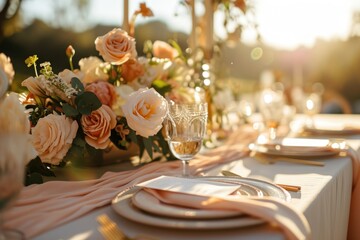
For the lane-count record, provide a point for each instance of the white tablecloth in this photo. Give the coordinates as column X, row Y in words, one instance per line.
column 324, row 199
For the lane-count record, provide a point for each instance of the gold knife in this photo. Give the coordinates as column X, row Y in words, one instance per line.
column 287, row 187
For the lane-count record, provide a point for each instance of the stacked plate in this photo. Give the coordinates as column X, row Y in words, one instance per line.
column 137, row 205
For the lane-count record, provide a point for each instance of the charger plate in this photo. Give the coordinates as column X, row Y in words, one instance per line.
column 123, row 205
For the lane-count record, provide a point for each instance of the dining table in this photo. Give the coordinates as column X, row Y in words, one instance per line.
column 325, row 197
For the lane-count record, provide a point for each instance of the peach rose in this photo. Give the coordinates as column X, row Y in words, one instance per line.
column 104, row 91
column 92, row 68
column 164, row 50
column 97, row 127
column 145, row 111
column 53, row 136
column 131, row 70
column 116, row 47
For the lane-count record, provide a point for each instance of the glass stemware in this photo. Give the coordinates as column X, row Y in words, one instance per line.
column 185, row 129
column 271, row 107
column 312, row 106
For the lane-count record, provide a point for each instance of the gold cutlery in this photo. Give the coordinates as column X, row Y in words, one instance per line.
column 271, row 159
column 287, row 187
column 110, row 231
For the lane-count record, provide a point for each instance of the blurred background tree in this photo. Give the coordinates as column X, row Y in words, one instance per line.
column 333, row 62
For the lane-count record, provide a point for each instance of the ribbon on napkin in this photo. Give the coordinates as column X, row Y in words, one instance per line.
column 40, row 208
column 202, row 194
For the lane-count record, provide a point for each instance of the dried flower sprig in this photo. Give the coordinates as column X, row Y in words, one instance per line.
column 31, row 61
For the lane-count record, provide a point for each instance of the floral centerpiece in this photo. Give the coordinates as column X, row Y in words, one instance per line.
column 78, row 113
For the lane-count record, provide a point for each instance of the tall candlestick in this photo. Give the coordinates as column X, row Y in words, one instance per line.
column 209, row 29
column 192, row 40
column 125, row 24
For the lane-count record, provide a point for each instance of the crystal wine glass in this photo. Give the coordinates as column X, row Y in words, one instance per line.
column 271, row 107
column 185, row 129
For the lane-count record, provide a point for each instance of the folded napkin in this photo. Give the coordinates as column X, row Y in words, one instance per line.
column 195, row 194
column 42, row 207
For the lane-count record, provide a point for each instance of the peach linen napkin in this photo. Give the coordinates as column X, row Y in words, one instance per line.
column 209, row 195
column 40, row 208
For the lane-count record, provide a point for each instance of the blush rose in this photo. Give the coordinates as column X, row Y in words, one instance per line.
column 145, row 111
column 104, row 91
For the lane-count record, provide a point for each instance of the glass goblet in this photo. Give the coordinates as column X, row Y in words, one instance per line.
column 185, row 129
column 271, row 106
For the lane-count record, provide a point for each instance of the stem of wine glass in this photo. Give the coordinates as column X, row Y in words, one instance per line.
column 272, row 133
column 185, row 168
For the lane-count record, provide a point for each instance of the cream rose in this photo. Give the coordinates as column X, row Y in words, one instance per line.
column 92, row 68
column 53, row 136
column 13, row 118
column 6, row 65
column 145, row 111
column 164, row 50
column 14, row 132
column 97, row 127
column 116, row 47
column 104, row 91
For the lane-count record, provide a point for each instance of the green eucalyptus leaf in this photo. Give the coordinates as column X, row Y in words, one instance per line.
column 77, row 84
column 161, row 87
column 87, row 102
column 69, row 110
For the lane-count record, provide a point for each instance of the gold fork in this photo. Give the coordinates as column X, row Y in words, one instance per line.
column 111, row 231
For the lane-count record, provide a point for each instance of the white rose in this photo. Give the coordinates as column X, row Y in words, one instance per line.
column 92, row 68
column 145, row 111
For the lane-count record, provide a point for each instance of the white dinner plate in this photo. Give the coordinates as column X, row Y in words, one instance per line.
column 122, row 204
column 147, row 202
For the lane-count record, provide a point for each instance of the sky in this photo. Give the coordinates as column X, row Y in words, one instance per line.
column 284, row 24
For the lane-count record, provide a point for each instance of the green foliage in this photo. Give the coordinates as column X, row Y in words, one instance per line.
column 35, row 169
column 77, row 84
column 87, row 102
column 161, row 87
